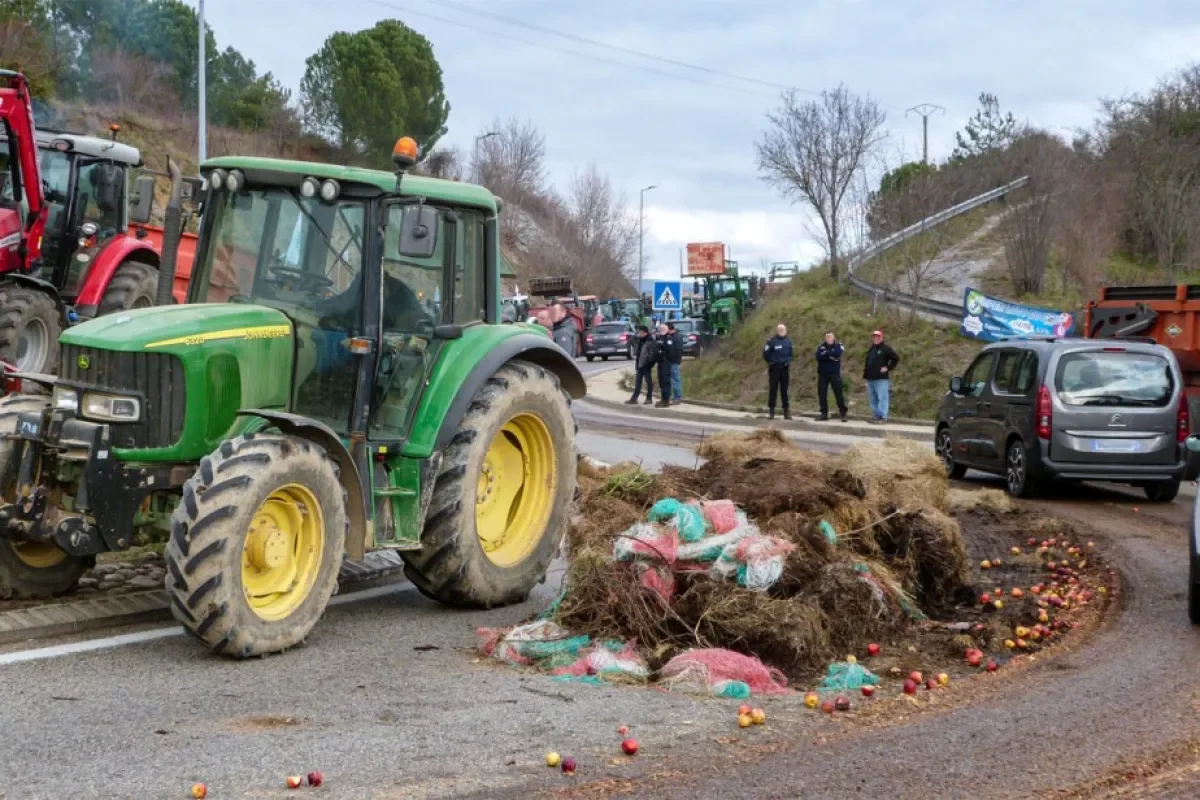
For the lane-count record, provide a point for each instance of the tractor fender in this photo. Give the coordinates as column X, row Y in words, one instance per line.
column 37, row 284
column 351, row 472
column 100, row 272
column 533, row 348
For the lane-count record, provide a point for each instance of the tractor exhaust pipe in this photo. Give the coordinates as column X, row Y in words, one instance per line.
column 172, row 233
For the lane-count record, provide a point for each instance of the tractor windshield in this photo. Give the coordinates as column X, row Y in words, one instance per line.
column 724, row 287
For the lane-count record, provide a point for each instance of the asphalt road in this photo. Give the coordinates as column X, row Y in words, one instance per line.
column 388, row 700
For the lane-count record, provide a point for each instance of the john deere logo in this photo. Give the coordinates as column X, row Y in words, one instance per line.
column 84, row 362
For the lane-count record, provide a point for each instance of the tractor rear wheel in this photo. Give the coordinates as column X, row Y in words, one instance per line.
column 256, row 543
column 133, row 285
column 30, row 570
column 29, row 329
column 503, row 495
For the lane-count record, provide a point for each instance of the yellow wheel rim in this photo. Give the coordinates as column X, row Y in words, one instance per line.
column 39, row 555
column 282, row 552
column 515, row 490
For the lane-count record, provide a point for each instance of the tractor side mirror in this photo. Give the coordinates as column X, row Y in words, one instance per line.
column 419, row 232
column 141, row 205
column 956, row 385
column 1193, row 443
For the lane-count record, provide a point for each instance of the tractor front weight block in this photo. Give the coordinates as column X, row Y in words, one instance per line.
column 107, row 495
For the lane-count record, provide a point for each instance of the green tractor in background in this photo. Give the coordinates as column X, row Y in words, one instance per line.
column 728, row 298
column 339, row 381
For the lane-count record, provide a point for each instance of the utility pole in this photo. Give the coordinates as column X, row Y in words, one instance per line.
column 926, row 110
column 641, row 236
column 202, row 105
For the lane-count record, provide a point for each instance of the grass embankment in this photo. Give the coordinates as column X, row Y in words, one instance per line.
column 810, row 305
column 888, row 268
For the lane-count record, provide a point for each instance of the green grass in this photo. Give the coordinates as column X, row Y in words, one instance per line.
column 810, row 305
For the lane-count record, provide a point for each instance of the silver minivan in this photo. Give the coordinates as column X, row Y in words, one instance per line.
column 1075, row 409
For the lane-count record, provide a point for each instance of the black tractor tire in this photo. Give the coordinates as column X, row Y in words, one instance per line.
column 31, row 570
column 133, row 285
column 452, row 566
column 29, row 313
column 944, row 445
column 1017, row 480
column 1161, row 491
column 209, row 532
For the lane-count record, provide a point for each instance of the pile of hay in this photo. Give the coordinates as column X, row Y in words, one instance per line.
column 899, row 555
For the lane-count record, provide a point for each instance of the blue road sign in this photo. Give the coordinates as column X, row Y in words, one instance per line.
column 668, row 295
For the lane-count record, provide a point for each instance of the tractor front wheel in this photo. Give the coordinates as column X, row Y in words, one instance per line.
column 256, row 543
column 503, row 495
column 30, row 570
column 29, row 329
column 133, row 285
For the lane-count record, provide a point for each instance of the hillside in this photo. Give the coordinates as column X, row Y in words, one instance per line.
column 810, row 305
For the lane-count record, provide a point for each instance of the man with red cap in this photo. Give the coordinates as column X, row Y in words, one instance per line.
column 877, row 369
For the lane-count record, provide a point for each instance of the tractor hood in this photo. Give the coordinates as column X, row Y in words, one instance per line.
column 179, row 326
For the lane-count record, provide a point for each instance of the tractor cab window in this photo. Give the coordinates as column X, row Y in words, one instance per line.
column 100, row 196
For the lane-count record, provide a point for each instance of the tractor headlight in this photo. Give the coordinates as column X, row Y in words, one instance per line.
column 235, row 181
column 309, row 188
column 216, row 179
column 112, row 407
column 330, row 190
column 65, row 399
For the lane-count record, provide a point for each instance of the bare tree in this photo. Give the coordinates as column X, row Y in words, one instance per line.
column 132, row 82
column 446, row 163
column 600, row 233
column 509, row 159
column 812, row 151
column 1028, row 231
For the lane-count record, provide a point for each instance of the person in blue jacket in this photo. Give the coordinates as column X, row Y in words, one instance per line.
column 829, row 374
column 778, row 354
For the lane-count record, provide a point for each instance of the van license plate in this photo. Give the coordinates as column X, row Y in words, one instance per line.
column 1116, row 445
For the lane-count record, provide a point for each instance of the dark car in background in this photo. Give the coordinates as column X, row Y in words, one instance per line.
column 1073, row 409
column 610, row 339
column 697, row 336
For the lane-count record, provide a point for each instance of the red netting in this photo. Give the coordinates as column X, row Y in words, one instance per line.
column 715, row 666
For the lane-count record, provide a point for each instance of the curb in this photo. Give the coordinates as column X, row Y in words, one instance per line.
column 795, row 425
column 56, row 619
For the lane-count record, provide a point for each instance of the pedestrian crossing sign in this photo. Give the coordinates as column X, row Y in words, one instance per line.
column 668, row 295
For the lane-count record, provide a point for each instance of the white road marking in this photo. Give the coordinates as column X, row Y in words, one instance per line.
column 108, row 642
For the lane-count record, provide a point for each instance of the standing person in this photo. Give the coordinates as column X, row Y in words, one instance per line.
column 647, row 354
column 563, row 330
column 829, row 374
column 881, row 360
column 664, row 344
column 778, row 355
column 675, row 356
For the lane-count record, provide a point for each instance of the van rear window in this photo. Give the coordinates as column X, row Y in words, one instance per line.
column 1114, row 379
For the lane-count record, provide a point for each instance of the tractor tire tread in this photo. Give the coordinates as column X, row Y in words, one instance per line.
column 18, row 305
column 131, row 281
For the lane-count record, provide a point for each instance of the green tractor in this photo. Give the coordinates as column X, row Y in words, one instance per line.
column 339, row 381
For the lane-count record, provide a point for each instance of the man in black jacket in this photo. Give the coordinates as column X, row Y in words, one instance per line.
column 666, row 346
column 676, row 358
column 877, row 370
column 778, row 354
column 829, row 374
column 647, row 354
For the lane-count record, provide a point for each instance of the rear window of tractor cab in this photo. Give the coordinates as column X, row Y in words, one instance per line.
column 1114, row 379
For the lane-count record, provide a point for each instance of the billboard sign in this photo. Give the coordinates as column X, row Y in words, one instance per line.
column 706, row 258
column 991, row 320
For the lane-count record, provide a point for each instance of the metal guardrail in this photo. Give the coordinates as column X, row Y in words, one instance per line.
column 936, row 308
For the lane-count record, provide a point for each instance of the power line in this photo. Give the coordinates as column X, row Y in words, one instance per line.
column 618, row 48
column 531, row 43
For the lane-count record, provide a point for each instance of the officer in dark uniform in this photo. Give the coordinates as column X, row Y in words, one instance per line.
column 778, row 354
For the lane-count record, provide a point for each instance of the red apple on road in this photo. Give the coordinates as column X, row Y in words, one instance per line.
column 910, row 686
column 828, row 706
column 744, row 708
column 199, row 791
column 992, row 666
column 915, row 676
column 867, row 691
column 975, row 658
column 873, row 649
column 568, row 766
column 294, row 781
column 623, row 730
column 985, row 598
column 315, row 778
column 629, row 747
column 931, row 684
column 842, row 703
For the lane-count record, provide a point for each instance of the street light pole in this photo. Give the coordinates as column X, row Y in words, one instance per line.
column 201, row 69
column 641, row 232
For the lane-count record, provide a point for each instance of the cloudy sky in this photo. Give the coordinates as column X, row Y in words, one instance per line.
column 691, row 132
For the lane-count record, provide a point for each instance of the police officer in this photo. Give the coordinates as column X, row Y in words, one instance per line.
column 666, row 343
column 778, row 354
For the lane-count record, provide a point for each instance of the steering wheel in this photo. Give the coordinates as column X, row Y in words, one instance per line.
column 305, row 281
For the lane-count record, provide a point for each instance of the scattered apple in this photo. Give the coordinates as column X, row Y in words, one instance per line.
column 842, row 703
column 867, row 690
column 998, row 604
column 985, row 598
column 1043, row 616
column 629, row 746
column 553, row 759
column 1136, row 509
column 828, row 706
column 744, row 721
column 975, row 658
column 1035, row 589
column 852, row 659
column 812, row 700
column 624, row 730
column 758, row 716
column 199, row 790
column 931, row 684
column 992, row 666
column 943, row 678
column 315, row 778
column 995, row 562
column 294, row 781
column 985, row 564
column 915, row 676
column 1010, row 644
column 873, row 649
column 744, row 708
column 1052, row 542
column 1017, row 592
column 1016, row 551
column 910, row 686
column 1021, row 631
column 568, row 766
column 1091, row 544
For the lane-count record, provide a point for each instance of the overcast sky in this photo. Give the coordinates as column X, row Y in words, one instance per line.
column 691, row 132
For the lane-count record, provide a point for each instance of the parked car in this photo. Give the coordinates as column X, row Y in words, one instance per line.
column 609, row 339
column 1075, row 409
column 1193, row 447
column 697, row 336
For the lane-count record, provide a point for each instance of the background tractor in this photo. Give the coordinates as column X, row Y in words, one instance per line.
column 67, row 248
column 312, row 400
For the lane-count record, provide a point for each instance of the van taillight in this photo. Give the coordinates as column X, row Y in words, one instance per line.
column 1045, row 413
column 1184, row 420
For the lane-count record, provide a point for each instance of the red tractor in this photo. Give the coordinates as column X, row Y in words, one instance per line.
column 67, row 250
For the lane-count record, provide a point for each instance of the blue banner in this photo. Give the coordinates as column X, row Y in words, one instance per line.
column 991, row 320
